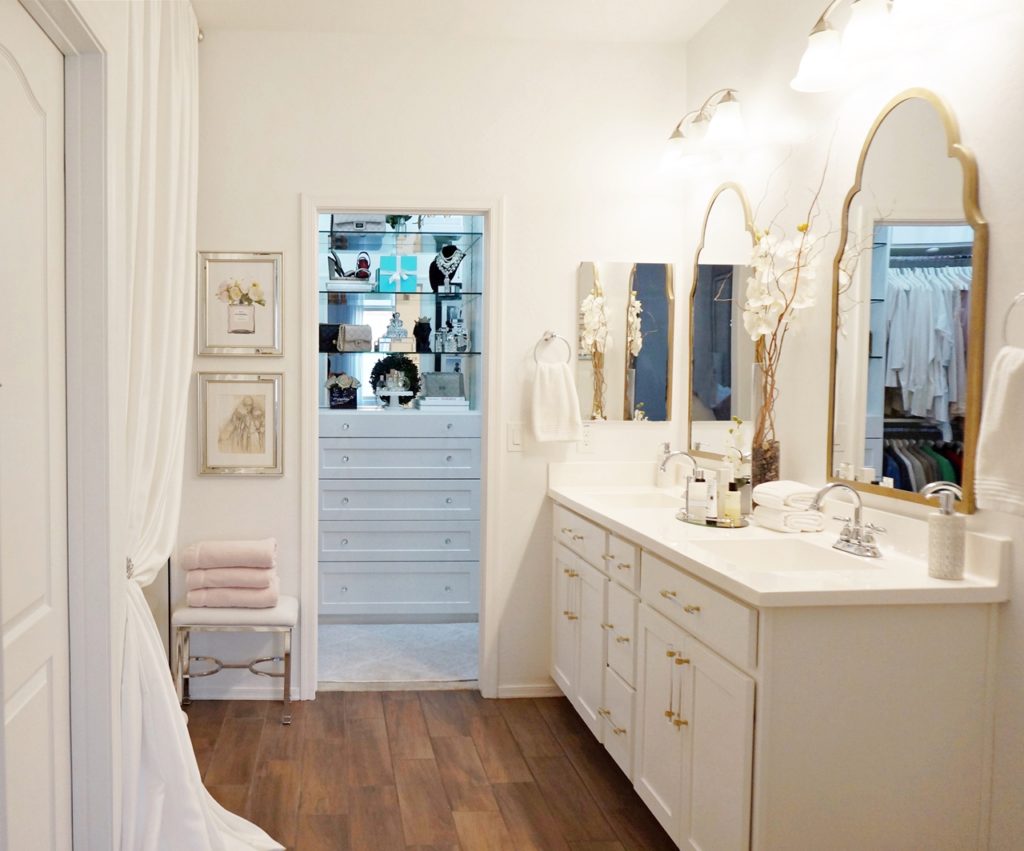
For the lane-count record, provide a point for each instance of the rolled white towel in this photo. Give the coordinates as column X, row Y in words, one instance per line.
column 784, row 495
column 210, row 554
column 789, row 521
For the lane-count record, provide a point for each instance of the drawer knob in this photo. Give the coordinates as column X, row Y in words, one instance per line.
column 573, row 617
column 681, row 661
column 450, row 426
column 344, row 500
column 624, row 639
column 346, row 426
column 577, row 537
column 623, row 566
column 566, row 530
column 447, row 541
column 671, row 653
column 608, row 557
column 344, row 589
column 448, row 588
column 691, row 610
column 604, row 713
column 607, row 626
column 344, row 459
column 572, row 574
column 449, row 458
column 344, row 542
column 449, row 501
column 618, row 731
column 679, row 722
column 668, row 595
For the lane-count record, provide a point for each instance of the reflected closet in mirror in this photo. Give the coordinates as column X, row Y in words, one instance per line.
column 626, row 317
column 721, row 352
column 909, row 308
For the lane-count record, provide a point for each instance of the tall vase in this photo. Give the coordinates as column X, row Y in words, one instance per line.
column 764, row 465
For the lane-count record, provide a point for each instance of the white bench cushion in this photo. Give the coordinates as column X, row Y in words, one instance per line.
column 285, row 613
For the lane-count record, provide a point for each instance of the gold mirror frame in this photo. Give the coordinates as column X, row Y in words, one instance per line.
column 670, row 304
column 748, row 225
column 979, row 280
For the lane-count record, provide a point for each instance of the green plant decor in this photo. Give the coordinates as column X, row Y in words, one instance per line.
column 395, row 221
column 379, row 373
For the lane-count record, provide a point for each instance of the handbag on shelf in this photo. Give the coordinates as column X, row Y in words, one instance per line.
column 351, row 234
column 328, row 338
column 355, row 338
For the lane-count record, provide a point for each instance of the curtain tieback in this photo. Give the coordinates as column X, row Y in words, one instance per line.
column 129, row 568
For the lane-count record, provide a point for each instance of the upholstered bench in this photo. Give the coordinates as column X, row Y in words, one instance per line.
column 186, row 620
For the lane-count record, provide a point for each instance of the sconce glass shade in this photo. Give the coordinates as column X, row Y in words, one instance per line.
column 866, row 34
column 726, row 124
column 821, row 67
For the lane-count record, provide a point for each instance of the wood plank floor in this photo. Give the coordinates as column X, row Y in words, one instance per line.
column 376, row 771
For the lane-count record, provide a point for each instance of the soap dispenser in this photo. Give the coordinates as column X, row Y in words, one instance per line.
column 945, row 532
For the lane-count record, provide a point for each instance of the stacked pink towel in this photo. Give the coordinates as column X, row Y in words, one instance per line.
column 232, row 574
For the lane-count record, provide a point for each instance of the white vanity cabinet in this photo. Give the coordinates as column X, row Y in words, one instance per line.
column 399, row 512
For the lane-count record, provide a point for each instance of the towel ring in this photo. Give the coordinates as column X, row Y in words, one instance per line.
column 547, row 338
column 1018, row 299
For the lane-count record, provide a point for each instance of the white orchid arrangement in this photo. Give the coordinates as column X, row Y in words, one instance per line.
column 634, row 320
column 342, row 380
column 594, row 336
column 234, row 292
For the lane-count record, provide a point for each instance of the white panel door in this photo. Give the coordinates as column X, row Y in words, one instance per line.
column 35, row 734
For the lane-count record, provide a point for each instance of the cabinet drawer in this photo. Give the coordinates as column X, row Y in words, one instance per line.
column 399, row 458
column 623, row 562
column 580, row 535
column 391, row 499
column 378, row 424
column 619, row 733
column 398, row 588
column 621, row 632
column 363, row 540
column 721, row 622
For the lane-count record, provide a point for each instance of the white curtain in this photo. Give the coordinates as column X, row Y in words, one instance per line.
column 164, row 803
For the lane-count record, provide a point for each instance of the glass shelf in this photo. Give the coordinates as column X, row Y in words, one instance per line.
column 376, row 294
column 385, row 242
column 409, row 354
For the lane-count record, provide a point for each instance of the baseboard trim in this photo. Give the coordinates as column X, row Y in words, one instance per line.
column 548, row 689
column 240, row 693
column 426, row 685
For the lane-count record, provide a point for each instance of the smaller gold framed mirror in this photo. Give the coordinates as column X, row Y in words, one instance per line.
column 721, row 408
column 908, row 308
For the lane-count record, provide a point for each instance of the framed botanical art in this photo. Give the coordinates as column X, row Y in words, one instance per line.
column 240, row 425
column 239, row 309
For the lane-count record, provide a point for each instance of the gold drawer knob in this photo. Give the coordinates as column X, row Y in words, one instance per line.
column 573, row 617
column 577, row 537
column 566, row 530
column 623, row 566
column 681, row 661
column 671, row 653
column 624, row 639
column 604, row 713
column 691, row 610
column 679, row 722
column 619, row 731
column 668, row 595
column 607, row 626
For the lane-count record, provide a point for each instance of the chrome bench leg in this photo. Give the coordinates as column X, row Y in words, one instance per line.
column 187, row 645
column 286, row 718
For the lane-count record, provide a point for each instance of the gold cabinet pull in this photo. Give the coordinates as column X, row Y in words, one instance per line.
column 668, row 595
column 618, row 731
column 624, row 639
column 566, row 530
column 604, row 713
column 623, row 566
column 572, row 574
column 607, row 626
column 671, row 653
column 691, row 610
column 573, row 617
column 679, row 722
column 681, row 661
column 669, row 714
column 607, row 557
column 577, row 537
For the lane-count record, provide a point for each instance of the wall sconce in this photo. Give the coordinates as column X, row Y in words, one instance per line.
column 830, row 58
column 718, row 122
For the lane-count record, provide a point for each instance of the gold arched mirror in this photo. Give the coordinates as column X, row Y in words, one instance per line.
column 908, row 308
column 721, row 352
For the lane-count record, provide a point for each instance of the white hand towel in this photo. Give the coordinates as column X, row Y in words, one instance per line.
column 789, row 521
column 229, row 577
column 999, row 482
column 235, row 598
column 784, row 495
column 556, row 407
column 207, row 554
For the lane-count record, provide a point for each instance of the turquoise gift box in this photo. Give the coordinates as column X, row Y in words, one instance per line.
column 397, row 274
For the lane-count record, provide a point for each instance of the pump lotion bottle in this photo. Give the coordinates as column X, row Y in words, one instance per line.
column 946, row 531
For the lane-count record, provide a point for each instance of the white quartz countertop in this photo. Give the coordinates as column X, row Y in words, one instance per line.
column 900, row 577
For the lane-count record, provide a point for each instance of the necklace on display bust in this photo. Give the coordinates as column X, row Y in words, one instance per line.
column 444, row 266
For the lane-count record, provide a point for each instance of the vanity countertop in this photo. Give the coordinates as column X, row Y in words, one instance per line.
column 900, row 577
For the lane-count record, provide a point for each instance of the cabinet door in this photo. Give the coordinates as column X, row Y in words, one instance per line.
column 592, row 594
column 564, row 621
column 658, row 764
column 718, row 702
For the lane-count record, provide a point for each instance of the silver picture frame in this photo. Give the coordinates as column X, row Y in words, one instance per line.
column 229, row 319
column 240, row 429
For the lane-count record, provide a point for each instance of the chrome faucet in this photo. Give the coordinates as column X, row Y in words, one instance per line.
column 669, row 454
column 856, row 537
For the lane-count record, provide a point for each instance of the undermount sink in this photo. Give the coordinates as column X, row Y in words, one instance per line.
column 640, row 499
column 786, row 554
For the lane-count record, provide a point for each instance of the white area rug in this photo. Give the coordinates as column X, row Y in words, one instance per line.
column 378, row 653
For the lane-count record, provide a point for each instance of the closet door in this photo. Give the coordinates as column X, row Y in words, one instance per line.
column 35, row 800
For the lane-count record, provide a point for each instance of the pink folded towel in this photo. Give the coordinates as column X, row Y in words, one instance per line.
column 235, row 598
column 229, row 577
column 211, row 554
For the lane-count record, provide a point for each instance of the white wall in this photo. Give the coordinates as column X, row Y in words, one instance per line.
column 569, row 135
column 969, row 54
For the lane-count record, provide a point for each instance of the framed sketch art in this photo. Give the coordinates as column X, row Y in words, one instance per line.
column 239, row 309
column 240, row 425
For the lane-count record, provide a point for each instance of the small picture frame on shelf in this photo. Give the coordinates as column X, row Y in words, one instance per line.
column 240, row 424
column 239, row 303
column 451, row 385
column 452, row 363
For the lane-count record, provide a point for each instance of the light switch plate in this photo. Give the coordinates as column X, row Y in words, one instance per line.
column 514, row 435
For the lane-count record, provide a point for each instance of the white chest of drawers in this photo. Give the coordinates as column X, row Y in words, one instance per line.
column 399, row 513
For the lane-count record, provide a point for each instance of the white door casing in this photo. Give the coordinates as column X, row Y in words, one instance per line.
column 35, row 794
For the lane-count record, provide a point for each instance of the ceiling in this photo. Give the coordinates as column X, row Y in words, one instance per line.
column 650, row 21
